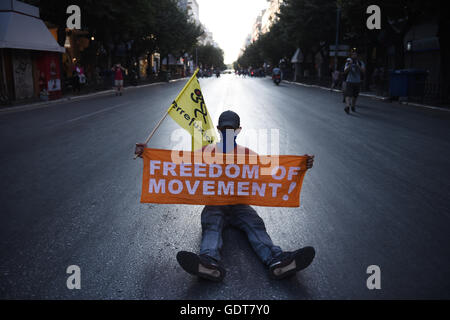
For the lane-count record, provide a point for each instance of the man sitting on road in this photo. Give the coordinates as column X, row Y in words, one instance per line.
column 214, row 218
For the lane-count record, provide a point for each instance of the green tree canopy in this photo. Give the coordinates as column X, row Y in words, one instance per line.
column 210, row 56
column 143, row 25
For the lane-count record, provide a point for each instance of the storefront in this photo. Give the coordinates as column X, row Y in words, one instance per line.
column 29, row 54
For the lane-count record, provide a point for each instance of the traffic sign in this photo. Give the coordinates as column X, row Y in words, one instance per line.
column 339, row 53
column 341, row 47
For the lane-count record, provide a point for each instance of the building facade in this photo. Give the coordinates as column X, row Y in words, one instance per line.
column 30, row 57
column 207, row 38
column 192, row 8
column 263, row 22
column 257, row 26
column 270, row 15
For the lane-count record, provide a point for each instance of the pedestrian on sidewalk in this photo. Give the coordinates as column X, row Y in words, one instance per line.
column 344, row 82
column 118, row 78
column 353, row 72
column 335, row 79
column 78, row 78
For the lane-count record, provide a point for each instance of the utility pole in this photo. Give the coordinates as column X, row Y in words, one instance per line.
column 338, row 18
column 196, row 57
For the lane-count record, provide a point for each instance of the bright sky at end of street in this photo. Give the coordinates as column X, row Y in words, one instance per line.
column 230, row 21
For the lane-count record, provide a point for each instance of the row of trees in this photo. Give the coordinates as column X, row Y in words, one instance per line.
column 138, row 27
column 142, row 26
column 311, row 26
column 210, row 56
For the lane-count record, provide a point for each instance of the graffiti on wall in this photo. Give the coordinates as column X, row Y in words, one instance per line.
column 23, row 75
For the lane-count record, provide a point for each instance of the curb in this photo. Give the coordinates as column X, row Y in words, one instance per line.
column 373, row 96
column 44, row 104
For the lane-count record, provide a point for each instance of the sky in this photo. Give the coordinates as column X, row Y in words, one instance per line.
column 230, row 21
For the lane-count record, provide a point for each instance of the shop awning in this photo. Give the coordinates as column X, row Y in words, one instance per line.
column 20, row 31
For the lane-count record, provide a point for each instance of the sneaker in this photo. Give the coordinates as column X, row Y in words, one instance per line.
column 201, row 265
column 347, row 110
column 353, row 109
column 289, row 263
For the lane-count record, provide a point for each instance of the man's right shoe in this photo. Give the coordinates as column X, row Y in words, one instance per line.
column 288, row 263
column 201, row 265
column 347, row 110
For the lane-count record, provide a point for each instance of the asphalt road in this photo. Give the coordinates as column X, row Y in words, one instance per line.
column 377, row 195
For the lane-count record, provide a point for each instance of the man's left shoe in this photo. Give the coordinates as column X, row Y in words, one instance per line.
column 289, row 263
column 201, row 265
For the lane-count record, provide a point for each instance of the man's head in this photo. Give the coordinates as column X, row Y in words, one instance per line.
column 229, row 120
column 354, row 55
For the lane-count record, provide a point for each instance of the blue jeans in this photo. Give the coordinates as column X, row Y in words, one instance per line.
column 243, row 217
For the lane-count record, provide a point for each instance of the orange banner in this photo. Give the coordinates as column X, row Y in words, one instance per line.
column 184, row 177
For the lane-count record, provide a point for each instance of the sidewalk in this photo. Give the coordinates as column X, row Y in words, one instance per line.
column 371, row 95
column 70, row 98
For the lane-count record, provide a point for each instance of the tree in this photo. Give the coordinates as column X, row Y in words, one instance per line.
column 300, row 25
column 142, row 26
column 252, row 56
column 210, row 56
column 175, row 33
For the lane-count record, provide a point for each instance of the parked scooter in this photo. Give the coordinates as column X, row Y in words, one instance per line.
column 276, row 79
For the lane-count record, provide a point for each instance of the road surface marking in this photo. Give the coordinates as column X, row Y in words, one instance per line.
column 94, row 113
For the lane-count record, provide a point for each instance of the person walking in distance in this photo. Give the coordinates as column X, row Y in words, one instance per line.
column 353, row 71
column 335, row 76
column 118, row 78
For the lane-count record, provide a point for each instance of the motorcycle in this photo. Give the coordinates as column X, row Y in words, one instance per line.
column 276, row 79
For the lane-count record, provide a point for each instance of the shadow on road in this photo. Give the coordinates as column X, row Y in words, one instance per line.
column 247, row 277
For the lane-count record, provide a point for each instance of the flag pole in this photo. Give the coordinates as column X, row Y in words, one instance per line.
column 157, row 126
column 165, row 115
column 154, row 130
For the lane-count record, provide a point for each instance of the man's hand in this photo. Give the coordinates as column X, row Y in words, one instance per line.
column 140, row 149
column 310, row 161
column 347, row 67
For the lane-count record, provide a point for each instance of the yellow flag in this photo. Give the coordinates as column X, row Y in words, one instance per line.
column 189, row 111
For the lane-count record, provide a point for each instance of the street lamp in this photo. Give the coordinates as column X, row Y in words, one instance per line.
column 338, row 18
column 196, row 57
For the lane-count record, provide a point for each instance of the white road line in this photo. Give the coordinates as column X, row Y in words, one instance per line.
column 65, row 100
column 94, row 113
column 374, row 97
